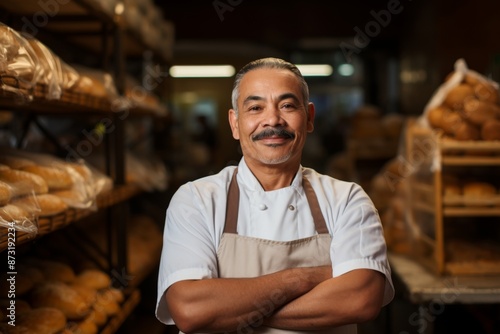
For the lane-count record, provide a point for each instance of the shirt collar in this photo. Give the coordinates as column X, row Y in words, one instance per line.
column 246, row 178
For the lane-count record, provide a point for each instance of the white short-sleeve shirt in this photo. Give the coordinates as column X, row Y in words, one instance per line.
column 196, row 215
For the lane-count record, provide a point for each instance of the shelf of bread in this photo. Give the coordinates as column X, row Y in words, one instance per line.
column 35, row 79
column 464, row 257
column 453, row 152
column 141, row 21
column 128, row 306
column 50, row 223
column 54, row 294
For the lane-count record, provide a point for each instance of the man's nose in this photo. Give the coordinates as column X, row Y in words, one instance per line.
column 273, row 117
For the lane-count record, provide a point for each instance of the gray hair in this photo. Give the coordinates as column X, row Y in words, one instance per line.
column 270, row 63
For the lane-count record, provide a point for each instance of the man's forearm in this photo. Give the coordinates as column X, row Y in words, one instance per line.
column 350, row 298
column 229, row 304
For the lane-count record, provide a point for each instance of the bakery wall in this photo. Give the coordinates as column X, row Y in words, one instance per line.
column 435, row 36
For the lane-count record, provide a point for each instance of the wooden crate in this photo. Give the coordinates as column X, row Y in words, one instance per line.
column 431, row 157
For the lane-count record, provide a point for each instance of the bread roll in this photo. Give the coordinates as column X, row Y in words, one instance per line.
column 3, row 167
column 88, row 294
column 53, row 270
column 93, row 278
column 15, row 162
column 87, row 326
column 452, row 190
column 451, row 122
column 491, row 130
column 478, row 112
column 56, row 178
column 23, row 284
column 98, row 316
column 486, row 92
column 467, row 131
column 436, row 115
column 61, row 296
column 456, row 96
column 14, row 213
column 5, row 193
column 471, row 80
column 114, row 293
column 106, row 302
column 479, row 189
column 21, row 305
column 49, row 205
column 23, row 183
column 43, row 320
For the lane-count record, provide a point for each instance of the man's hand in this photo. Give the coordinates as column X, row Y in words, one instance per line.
column 230, row 304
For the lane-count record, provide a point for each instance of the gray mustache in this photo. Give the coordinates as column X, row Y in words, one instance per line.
column 273, row 132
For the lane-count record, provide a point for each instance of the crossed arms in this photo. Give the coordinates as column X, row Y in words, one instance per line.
column 294, row 299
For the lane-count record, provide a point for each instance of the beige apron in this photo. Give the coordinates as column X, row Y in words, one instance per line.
column 241, row 256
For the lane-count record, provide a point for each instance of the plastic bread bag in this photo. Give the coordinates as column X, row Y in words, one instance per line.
column 148, row 172
column 73, row 182
column 95, row 82
column 20, row 217
column 12, row 215
column 50, row 69
column 19, row 67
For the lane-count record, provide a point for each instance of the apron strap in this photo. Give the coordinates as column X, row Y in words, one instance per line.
column 312, row 199
column 233, row 202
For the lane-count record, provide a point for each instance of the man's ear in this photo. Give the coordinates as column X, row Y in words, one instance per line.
column 233, row 122
column 310, row 117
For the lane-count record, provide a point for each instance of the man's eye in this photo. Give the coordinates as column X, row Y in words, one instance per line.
column 254, row 108
column 288, row 106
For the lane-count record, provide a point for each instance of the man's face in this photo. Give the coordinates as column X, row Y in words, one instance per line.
column 272, row 121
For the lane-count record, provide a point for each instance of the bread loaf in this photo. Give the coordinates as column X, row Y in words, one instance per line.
column 479, row 189
column 5, row 193
column 467, row 131
column 435, row 116
column 49, row 205
column 98, row 316
column 105, row 302
column 86, row 326
column 490, row 130
column 484, row 91
column 44, row 320
column 23, row 183
column 88, row 294
column 478, row 112
column 53, row 270
column 56, row 178
column 93, row 278
column 13, row 213
column 61, row 296
column 456, row 96
column 451, row 122
column 15, row 162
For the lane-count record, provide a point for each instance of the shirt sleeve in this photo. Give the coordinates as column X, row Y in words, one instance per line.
column 358, row 239
column 188, row 246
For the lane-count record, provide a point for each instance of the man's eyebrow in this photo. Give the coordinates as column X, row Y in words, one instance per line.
column 253, row 98
column 289, row 96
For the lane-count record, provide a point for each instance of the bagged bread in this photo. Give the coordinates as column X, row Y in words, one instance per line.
column 463, row 104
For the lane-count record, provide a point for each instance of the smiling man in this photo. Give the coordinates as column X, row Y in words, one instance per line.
column 270, row 246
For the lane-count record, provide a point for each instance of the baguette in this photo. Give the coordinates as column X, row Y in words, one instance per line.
column 56, row 178
column 23, row 183
column 49, row 205
column 5, row 193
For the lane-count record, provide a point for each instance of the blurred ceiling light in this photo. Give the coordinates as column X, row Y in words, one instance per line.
column 202, row 71
column 315, row 70
column 345, row 70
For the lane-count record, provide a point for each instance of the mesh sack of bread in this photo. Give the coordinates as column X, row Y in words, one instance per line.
column 465, row 104
column 19, row 65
